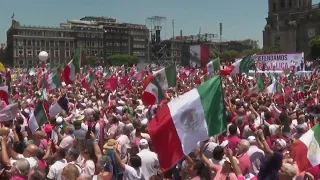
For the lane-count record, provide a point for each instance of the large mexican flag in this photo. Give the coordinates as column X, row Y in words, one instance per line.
column 306, row 150
column 186, row 120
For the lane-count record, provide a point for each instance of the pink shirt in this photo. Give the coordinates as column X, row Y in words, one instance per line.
column 196, row 178
column 244, row 164
column 67, row 142
column 233, row 142
column 18, row 178
column 221, row 176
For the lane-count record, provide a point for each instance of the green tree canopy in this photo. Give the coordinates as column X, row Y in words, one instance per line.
column 122, row 59
column 274, row 49
column 91, row 60
column 315, row 47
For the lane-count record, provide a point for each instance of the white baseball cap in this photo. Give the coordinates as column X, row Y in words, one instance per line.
column 251, row 139
column 143, row 142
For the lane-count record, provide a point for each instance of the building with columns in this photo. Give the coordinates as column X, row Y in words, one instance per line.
column 97, row 36
column 291, row 24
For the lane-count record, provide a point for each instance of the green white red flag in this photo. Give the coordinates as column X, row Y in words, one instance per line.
column 184, row 121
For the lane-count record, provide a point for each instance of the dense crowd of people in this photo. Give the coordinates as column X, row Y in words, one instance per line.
column 104, row 133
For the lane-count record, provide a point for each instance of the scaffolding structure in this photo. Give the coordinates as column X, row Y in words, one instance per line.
column 156, row 48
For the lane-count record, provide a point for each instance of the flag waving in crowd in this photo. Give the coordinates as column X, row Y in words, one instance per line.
column 204, row 120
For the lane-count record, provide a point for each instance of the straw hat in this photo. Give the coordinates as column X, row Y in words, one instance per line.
column 110, row 144
column 78, row 117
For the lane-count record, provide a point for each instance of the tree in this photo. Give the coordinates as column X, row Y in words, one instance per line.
column 315, row 47
column 122, row 59
column 91, row 60
column 229, row 55
column 274, row 49
column 251, row 51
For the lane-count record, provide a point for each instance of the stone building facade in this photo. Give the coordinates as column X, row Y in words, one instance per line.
column 291, row 24
column 97, row 36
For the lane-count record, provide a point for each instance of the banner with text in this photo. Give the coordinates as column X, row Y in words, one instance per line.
column 279, row 61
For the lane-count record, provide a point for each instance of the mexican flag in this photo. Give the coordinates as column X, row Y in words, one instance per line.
column 212, row 66
column 71, row 69
column 195, row 55
column 240, row 66
column 186, row 120
column 258, row 87
column 306, row 150
column 54, row 81
column 38, row 117
column 4, row 94
column 61, row 105
column 87, row 82
column 155, row 84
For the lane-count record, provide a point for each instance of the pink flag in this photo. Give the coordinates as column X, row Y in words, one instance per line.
column 112, row 83
column 138, row 76
column 9, row 112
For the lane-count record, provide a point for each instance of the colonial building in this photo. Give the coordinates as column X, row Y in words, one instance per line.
column 291, row 24
column 97, row 36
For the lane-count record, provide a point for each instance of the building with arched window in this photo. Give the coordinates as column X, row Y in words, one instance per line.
column 291, row 24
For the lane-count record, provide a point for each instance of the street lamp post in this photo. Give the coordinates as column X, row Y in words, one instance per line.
column 172, row 52
column 43, row 57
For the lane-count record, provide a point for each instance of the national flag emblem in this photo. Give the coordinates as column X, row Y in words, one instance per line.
column 186, row 120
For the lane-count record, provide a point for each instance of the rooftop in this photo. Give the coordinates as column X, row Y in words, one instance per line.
column 95, row 18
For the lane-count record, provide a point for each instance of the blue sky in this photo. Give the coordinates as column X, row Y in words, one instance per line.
column 241, row 18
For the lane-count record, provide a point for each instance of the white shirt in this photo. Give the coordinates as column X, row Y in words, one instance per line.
column 124, row 143
column 255, row 155
column 149, row 163
column 247, row 132
column 56, row 169
column 33, row 161
column 89, row 167
column 131, row 173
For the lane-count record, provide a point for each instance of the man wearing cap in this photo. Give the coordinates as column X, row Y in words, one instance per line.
column 150, row 162
column 255, row 155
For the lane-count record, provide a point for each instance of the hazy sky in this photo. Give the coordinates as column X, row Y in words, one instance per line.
column 241, row 18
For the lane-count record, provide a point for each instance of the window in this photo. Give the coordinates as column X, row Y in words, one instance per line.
column 290, row 3
column 47, row 43
column 274, row 7
column 20, row 53
column 29, row 43
column 71, row 44
column 92, row 53
column 101, row 54
column 29, row 52
column 67, row 44
column 282, row 4
column 88, row 44
column 38, row 43
column 67, row 53
column 38, row 52
column 56, row 53
column 56, row 43
column 92, row 43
